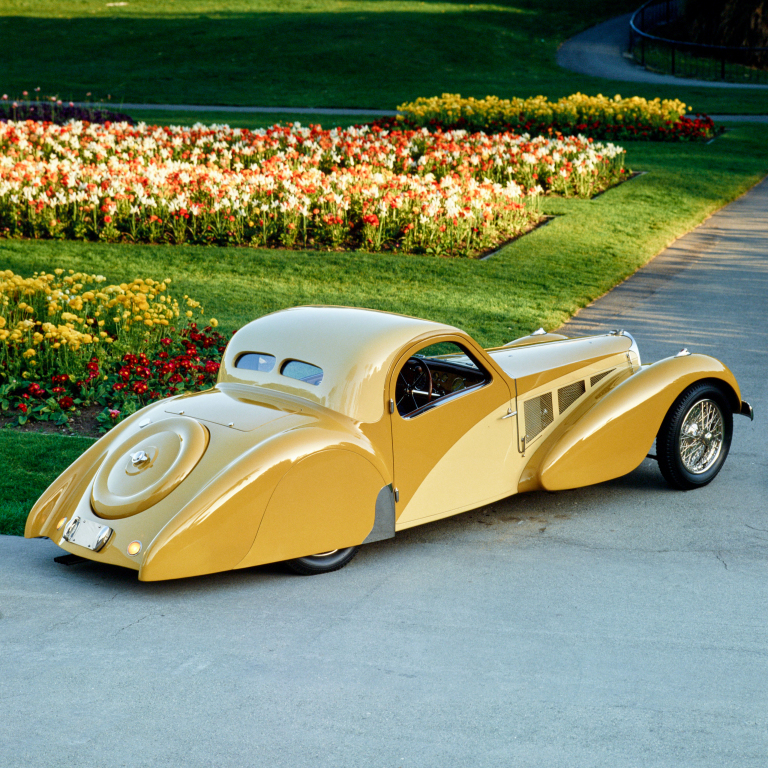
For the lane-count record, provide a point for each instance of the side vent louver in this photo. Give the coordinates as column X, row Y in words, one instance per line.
column 567, row 396
column 538, row 415
column 599, row 376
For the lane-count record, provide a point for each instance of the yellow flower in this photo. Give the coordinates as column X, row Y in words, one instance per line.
column 29, row 353
column 214, row 322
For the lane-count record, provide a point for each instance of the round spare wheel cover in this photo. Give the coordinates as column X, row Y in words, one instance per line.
column 148, row 466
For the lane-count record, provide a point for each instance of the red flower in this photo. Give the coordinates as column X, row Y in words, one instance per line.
column 66, row 402
column 140, row 387
column 36, row 390
column 23, row 407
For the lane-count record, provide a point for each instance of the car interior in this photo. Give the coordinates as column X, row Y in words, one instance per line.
column 435, row 373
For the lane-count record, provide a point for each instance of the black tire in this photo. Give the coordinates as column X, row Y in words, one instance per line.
column 695, row 437
column 325, row 563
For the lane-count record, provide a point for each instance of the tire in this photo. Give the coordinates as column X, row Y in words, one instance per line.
column 695, row 437
column 325, row 563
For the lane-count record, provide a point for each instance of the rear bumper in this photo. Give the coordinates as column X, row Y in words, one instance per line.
column 746, row 410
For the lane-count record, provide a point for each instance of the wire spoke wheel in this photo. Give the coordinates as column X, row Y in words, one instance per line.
column 701, row 437
column 695, row 436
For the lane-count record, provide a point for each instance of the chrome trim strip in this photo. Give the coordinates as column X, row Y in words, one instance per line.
column 384, row 521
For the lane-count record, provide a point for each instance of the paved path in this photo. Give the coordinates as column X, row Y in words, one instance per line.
column 621, row 625
column 599, row 52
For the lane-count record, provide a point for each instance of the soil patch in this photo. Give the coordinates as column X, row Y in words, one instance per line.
column 82, row 423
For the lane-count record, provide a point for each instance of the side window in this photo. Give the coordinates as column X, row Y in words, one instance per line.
column 255, row 361
column 296, row 369
column 434, row 373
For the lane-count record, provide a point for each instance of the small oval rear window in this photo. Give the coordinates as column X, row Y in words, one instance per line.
column 255, row 361
column 295, row 369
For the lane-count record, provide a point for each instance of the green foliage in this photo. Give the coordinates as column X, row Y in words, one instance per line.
column 728, row 22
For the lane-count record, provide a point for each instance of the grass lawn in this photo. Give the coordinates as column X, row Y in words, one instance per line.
column 30, row 463
column 540, row 279
column 297, row 53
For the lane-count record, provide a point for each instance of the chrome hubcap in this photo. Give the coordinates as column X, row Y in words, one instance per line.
column 701, row 436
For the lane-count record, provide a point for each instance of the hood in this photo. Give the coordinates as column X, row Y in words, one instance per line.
column 534, row 365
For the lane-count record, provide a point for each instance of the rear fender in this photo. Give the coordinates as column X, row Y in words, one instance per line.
column 327, row 501
column 216, row 529
column 614, row 436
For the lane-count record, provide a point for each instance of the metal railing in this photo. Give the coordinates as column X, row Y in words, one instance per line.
column 678, row 57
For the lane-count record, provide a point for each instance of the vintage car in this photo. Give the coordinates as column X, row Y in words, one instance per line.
column 331, row 427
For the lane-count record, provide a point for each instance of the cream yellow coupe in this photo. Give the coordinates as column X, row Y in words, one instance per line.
column 331, row 427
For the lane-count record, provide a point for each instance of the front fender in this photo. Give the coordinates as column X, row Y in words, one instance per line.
column 614, row 436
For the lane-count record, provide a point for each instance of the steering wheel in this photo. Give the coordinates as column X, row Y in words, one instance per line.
column 414, row 381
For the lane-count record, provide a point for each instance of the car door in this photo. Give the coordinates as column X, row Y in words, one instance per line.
column 454, row 442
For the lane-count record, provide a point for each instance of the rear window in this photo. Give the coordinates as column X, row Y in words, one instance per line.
column 296, row 369
column 255, row 361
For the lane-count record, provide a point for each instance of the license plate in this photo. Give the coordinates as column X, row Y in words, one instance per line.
column 86, row 533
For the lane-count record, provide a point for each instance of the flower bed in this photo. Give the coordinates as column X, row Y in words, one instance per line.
column 599, row 116
column 447, row 193
column 68, row 341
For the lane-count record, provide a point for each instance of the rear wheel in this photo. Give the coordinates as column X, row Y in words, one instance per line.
column 322, row 563
column 695, row 437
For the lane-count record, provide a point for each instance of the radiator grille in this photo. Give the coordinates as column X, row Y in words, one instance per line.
column 599, row 376
column 538, row 415
column 567, row 396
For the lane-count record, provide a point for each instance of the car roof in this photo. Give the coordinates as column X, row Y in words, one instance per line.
column 355, row 349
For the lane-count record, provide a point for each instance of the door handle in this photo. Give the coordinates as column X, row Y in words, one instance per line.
column 510, row 414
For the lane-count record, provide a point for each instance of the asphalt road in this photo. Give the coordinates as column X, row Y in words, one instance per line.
column 622, row 625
